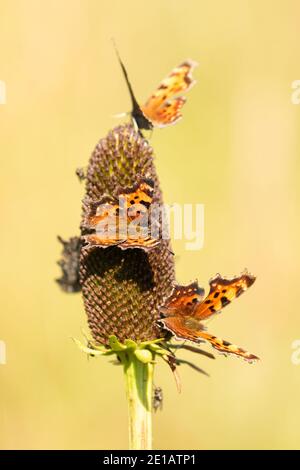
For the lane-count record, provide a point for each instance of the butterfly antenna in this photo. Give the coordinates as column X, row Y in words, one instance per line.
column 135, row 104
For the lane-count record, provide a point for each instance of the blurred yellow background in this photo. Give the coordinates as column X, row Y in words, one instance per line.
column 236, row 151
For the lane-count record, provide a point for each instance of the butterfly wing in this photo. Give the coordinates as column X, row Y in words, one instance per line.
column 224, row 347
column 189, row 300
column 101, row 241
column 222, row 292
column 124, row 243
column 146, row 243
column 100, row 211
column 185, row 309
column 183, row 300
column 110, row 218
column 163, row 107
column 187, row 329
column 140, row 193
column 169, row 112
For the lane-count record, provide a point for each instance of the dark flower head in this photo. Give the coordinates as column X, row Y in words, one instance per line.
column 129, row 292
column 123, row 289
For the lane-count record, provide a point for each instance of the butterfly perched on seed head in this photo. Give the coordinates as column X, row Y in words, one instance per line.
column 164, row 105
column 187, row 307
column 111, row 218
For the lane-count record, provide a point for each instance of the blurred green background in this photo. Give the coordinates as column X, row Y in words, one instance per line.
column 236, row 151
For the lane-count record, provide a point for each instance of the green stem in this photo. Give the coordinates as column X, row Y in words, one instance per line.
column 139, row 384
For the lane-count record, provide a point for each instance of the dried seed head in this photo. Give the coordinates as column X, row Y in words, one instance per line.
column 69, row 263
column 123, row 289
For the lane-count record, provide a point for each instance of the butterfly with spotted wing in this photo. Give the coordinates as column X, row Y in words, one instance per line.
column 187, row 307
column 111, row 218
column 164, row 105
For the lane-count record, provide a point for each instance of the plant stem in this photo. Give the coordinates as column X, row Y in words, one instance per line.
column 139, row 383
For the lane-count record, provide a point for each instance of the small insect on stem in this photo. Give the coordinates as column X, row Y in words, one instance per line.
column 157, row 400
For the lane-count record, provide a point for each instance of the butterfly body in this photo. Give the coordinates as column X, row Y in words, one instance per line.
column 187, row 308
column 163, row 107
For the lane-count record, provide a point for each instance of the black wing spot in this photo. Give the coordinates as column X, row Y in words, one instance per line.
column 224, row 301
column 216, row 294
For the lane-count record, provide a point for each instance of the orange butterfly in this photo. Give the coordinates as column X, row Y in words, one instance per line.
column 187, row 307
column 122, row 220
column 164, row 106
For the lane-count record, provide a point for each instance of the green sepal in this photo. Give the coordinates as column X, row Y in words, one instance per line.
column 115, row 344
column 90, row 351
column 130, row 344
column 144, row 355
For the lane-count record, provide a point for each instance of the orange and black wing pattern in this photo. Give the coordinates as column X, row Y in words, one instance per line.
column 122, row 221
column 222, row 292
column 187, row 307
column 164, row 105
column 183, row 300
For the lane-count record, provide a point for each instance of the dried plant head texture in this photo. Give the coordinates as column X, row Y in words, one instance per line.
column 69, row 263
column 123, row 288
